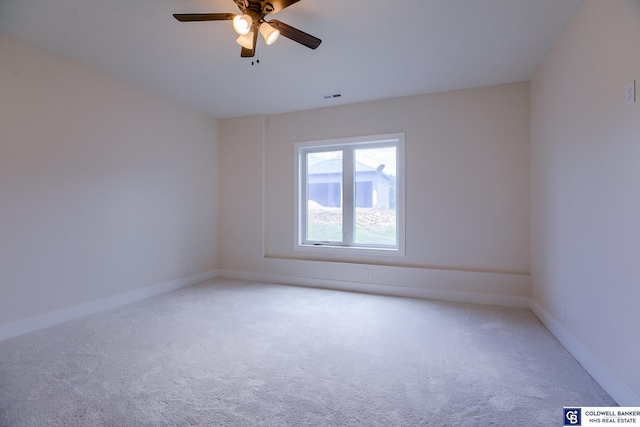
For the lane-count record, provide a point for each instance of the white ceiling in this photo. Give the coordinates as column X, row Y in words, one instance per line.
column 371, row 49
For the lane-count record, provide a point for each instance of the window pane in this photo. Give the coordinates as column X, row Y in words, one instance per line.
column 375, row 196
column 324, row 196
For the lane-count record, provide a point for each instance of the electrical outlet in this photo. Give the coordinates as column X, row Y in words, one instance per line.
column 192, row 267
column 563, row 313
column 630, row 93
column 367, row 274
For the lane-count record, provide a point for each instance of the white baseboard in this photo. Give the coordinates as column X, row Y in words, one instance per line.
column 609, row 382
column 41, row 321
column 399, row 291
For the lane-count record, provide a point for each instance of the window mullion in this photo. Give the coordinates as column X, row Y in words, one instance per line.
column 304, row 187
column 348, row 184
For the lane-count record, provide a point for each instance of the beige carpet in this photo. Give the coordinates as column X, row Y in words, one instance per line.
column 230, row 353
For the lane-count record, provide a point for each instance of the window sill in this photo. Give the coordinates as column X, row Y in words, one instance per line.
column 352, row 250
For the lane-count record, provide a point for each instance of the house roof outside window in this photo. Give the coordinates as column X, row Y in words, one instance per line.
column 332, row 166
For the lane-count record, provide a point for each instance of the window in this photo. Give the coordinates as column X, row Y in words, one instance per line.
column 350, row 194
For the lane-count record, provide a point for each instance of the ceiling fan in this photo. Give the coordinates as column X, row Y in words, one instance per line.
column 251, row 21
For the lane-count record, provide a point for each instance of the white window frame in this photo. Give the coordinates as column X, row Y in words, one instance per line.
column 300, row 188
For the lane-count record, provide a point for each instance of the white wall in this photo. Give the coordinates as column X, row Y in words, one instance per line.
column 104, row 188
column 241, row 192
column 467, row 192
column 585, row 150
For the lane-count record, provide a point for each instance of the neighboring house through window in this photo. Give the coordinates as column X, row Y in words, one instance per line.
column 373, row 186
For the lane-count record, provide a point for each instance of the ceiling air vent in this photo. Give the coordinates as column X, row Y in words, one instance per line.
column 335, row 95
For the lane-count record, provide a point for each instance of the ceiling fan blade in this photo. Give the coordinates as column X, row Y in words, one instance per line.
column 250, row 53
column 278, row 5
column 195, row 17
column 296, row 35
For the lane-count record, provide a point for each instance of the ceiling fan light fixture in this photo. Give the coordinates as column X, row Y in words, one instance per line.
column 269, row 33
column 242, row 24
column 251, row 20
column 246, row 40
